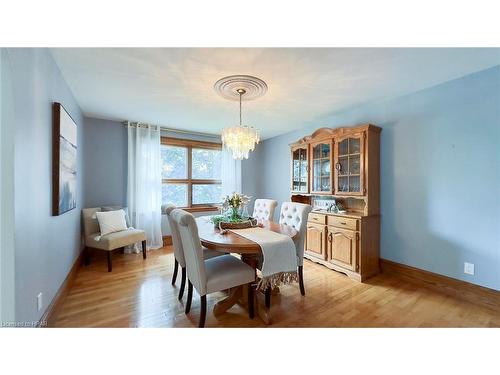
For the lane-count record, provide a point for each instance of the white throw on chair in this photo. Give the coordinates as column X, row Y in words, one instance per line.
column 295, row 215
column 211, row 275
column 179, row 252
column 263, row 209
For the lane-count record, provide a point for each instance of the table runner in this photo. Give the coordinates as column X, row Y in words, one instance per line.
column 280, row 259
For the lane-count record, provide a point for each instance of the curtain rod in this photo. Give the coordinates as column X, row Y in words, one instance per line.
column 127, row 123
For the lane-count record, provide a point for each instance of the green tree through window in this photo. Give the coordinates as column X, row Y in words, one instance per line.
column 191, row 173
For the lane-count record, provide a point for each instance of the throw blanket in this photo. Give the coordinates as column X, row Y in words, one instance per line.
column 280, row 259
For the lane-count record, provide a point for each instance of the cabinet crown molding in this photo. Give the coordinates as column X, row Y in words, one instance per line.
column 325, row 132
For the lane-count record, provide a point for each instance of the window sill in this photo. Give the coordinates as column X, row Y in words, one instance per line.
column 201, row 209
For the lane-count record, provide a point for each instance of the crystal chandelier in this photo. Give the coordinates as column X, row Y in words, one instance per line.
column 240, row 139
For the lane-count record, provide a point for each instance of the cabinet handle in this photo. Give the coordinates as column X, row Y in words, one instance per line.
column 343, row 223
column 338, row 167
column 330, row 237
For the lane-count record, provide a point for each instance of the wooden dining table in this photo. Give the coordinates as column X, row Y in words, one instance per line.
column 250, row 252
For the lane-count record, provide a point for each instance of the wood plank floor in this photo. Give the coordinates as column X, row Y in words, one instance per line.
column 139, row 294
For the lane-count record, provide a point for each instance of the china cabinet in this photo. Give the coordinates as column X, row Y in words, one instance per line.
column 343, row 167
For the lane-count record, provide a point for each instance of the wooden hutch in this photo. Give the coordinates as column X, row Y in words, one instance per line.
column 341, row 164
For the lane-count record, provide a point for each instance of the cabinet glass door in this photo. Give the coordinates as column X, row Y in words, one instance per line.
column 321, row 168
column 299, row 170
column 348, row 166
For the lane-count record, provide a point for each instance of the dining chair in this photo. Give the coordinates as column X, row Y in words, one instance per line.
column 178, row 250
column 295, row 215
column 263, row 209
column 211, row 275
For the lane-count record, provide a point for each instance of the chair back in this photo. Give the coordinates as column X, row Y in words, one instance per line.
column 295, row 215
column 263, row 209
column 90, row 223
column 193, row 251
column 174, row 230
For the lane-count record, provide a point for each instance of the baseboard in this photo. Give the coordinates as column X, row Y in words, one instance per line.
column 463, row 290
column 47, row 318
column 167, row 240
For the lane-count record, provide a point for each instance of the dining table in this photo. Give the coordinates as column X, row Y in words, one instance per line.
column 250, row 252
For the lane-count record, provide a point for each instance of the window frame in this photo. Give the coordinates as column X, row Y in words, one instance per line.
column 189, row 145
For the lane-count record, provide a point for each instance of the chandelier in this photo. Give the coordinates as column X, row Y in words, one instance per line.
column 240, row 139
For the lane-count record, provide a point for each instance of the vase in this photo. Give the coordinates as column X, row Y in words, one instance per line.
column 234, row 213
column 244, row 212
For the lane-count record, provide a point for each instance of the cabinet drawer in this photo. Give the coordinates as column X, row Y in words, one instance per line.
column 317, row 218
column 343, row 222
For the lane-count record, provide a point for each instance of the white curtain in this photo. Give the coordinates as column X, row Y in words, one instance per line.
column 231, row 173
column 144, row 182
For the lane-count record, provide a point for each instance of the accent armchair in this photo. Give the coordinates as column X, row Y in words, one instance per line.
column 109, row 242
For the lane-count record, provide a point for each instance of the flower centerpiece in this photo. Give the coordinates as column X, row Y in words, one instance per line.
column 234, row 214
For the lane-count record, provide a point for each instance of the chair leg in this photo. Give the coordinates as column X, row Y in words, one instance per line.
column 268, row 297
column 250, row 301
column 87, row 256
column 174, row 276
column 203, row 311
column 110, row 267
column 301, row 280
column 189, row 297
column 183, row 282
column 144, row 249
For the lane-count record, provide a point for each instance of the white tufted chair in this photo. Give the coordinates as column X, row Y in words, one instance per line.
column 295, row 215
column 211, row 275
column 263, row 209
column 178, row 250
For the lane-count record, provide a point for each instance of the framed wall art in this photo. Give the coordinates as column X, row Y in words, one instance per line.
column 64, row 161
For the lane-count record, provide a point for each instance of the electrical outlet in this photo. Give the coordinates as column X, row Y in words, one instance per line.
column 39, row 301
column 469, row 268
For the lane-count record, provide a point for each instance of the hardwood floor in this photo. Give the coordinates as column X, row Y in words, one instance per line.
column 138, row 293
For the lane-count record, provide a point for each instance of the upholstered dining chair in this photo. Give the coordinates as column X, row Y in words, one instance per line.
column 109, row 242
column 263, row 209
column 178, row 250
column 211, row 275
column 295, row 215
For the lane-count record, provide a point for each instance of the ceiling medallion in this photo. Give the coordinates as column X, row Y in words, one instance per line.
column 240, row 139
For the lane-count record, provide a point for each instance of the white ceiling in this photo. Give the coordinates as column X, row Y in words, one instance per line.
column 174, row 86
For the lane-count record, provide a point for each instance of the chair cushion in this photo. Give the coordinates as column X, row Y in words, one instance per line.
column 115, row 240
column 226, row 271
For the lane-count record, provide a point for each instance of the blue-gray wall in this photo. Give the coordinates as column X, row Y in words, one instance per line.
column 440, row 175
column 7, row 188
column 105, row 163
column 46, row 246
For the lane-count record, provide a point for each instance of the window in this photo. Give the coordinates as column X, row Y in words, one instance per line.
column 191, row 173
